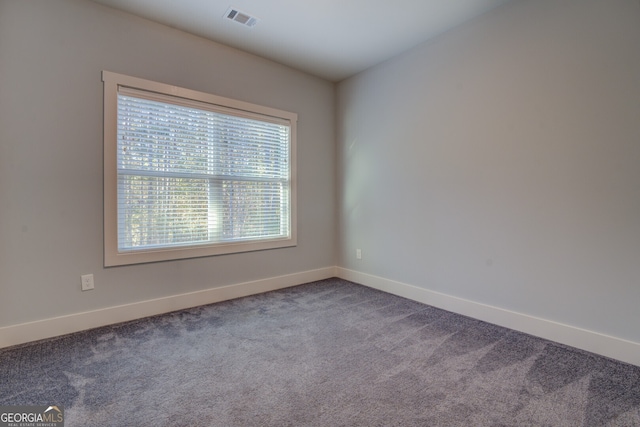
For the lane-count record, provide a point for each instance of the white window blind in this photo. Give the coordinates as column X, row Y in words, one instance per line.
column 193, row 174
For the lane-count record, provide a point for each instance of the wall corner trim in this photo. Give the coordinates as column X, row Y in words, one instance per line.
column 57, row 326
column 594, row 342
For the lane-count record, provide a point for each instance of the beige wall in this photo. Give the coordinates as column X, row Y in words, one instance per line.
column 500, row 163
column 51, row 57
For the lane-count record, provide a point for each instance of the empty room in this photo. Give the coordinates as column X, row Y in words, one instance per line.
column 322, row 213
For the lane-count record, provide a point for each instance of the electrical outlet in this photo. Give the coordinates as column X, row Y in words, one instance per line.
column 358, row 253
column 87, row 282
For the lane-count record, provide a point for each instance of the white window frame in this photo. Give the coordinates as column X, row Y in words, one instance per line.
column 112, row 256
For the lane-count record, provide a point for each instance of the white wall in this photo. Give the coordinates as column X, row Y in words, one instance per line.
column 500, row 164
column 52, row 53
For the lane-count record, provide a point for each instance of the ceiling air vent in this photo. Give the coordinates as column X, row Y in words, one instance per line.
column 241, row 17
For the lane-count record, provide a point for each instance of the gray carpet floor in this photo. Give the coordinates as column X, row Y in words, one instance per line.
column 329, row 353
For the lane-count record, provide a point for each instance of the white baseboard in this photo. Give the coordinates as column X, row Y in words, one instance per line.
column 604, row 345
column 48, row 328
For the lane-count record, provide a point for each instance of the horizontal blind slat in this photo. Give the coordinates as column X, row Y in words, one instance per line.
column 189, row 176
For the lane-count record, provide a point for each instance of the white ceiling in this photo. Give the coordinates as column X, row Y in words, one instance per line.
column 333, row 39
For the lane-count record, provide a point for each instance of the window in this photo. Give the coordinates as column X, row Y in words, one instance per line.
column 190, row 174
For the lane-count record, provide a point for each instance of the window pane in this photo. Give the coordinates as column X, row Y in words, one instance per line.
column 249, row 148
column 156, row 211
column 189, row 176
column 160, row 137
column 254, row 210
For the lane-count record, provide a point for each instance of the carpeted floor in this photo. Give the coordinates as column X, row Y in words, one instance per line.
column 329, row 353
